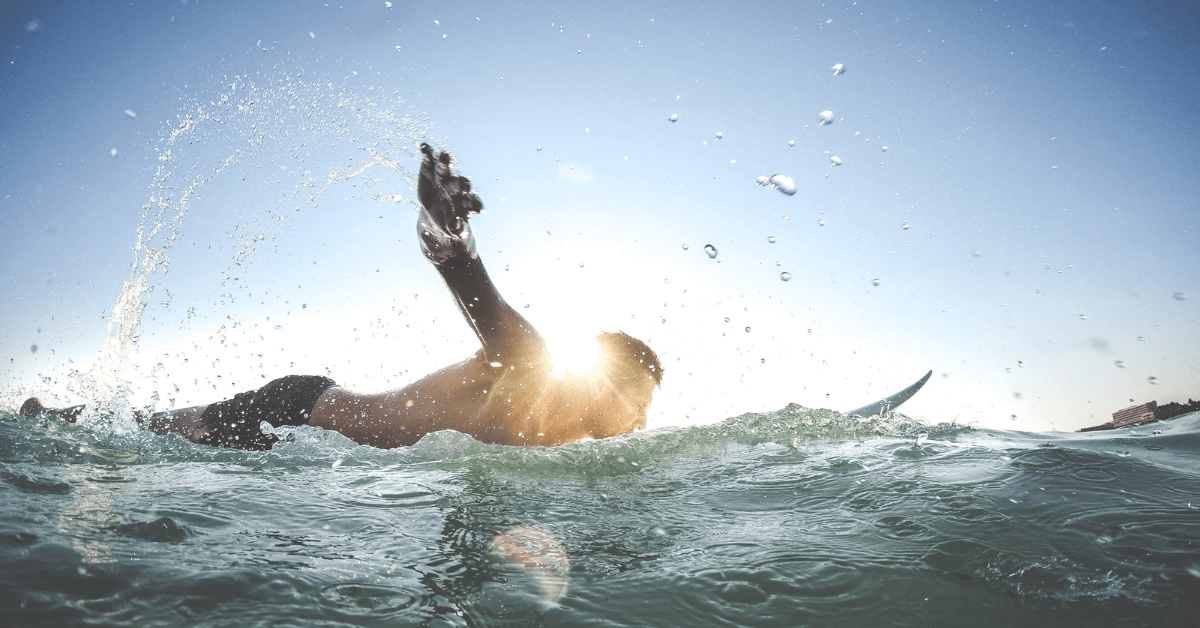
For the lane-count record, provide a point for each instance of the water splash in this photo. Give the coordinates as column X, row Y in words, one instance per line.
column 247, row 123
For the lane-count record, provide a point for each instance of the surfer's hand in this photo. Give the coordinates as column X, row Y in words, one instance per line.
column 447, row 198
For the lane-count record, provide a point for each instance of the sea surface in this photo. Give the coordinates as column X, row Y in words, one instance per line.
column 791, row 518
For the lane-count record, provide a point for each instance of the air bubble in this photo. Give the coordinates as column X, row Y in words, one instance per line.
column 791, row 142
column 783, row 184
column 883, row 149
column 674, row 117
column 1119, row 364
column 711, row 250
column 835, row 161
column 825, row 117
column 539, row 148
column 820, row 223
column 772, row 239
column 747, row 330
column 1153, row 380
column 838, row 68
column 720, row 135
column 906, row 226
column 785, row 276
column 876, row 282
column 726, row 319
column 685, row 247
column 579, row 52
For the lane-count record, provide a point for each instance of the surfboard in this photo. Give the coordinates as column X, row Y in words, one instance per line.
column 887, row 404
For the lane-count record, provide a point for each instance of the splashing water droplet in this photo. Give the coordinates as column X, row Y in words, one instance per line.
column 876, row 282
column 711, row 250
column 825, row 117
column 1153, row 380
column 835, row 161
column 783, row 184
column 772, row 239
column 838, row 68
column 674, row 117
column 720, row 135
column 921, row 438
column 785, row 276
column 685, row 247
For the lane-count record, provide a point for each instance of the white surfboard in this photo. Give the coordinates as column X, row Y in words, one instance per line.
column 887, row 404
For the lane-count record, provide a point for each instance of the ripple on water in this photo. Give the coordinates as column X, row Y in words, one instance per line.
column 358, row 599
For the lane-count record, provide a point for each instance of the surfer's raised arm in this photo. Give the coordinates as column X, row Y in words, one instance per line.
column 448, row 243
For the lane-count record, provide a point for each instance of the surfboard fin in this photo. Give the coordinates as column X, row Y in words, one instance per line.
column 888, row 404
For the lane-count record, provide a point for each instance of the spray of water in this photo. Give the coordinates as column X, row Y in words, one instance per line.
column 312, row 135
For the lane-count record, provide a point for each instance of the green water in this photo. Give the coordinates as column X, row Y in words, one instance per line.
column 793, row 518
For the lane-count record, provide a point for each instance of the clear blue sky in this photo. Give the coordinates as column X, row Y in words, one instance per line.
column 1042, row 156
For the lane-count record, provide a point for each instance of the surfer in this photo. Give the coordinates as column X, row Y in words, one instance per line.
column 506, row 393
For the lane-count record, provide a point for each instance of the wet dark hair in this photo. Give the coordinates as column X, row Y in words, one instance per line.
column 636, row 358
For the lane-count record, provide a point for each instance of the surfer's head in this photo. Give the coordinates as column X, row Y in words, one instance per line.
column 627, row 361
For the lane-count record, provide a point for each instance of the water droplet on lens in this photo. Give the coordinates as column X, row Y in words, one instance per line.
column 825, row 117
column 1120, row 364
column 834, row 160
column 711, row 250
column 747, row 330
column 820, row 223
column 771, row 239
column 783, row 184
column 1152, row 379
column 685, row 247
column 674, row 117
column 720, row 135
column 838, row 69
column 876, row 282
column 791, row 142
column 785, row 275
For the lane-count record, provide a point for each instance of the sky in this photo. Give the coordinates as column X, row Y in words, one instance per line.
column 1016, row 205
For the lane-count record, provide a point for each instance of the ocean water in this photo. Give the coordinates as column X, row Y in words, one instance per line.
column 791, row 518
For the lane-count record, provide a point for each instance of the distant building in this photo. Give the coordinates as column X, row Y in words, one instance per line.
column 1144, row 413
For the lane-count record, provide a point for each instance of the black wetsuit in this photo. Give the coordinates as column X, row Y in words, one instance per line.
column 235, row 422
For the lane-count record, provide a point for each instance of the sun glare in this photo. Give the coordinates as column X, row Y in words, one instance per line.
column 573, row 353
